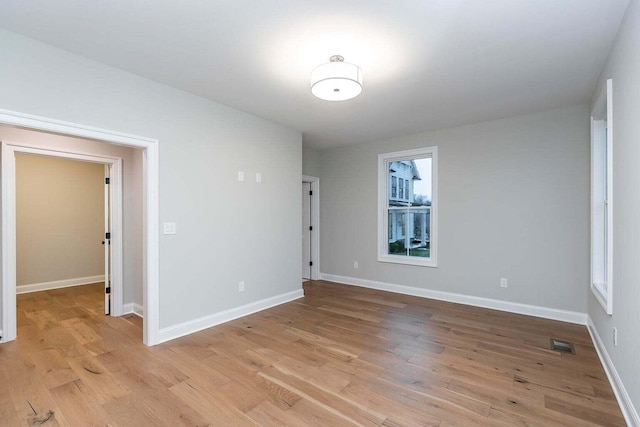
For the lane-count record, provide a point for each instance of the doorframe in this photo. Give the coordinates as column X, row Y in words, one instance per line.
column 9, row 149
column 151, row 264
column 315, row 222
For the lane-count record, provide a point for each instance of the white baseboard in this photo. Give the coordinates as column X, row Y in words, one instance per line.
column 626, row 405
column 133, row 308
column 57, row 284
column 186, row 328
column 511, row 307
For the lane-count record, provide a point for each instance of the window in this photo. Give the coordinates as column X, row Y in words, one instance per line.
column 407, row 228
column 601, row 200
column 394, row 187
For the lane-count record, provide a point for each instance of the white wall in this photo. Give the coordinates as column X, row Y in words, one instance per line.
column 227, row 230
column 623, row 66
column 514, row 197
column 131, row 194
column 310, row 161
column 59, row 219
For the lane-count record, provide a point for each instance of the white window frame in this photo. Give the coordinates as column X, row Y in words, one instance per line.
column 383, row 205
column 603, row 108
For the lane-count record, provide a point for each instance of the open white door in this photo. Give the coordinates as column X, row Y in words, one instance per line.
column 107, row 239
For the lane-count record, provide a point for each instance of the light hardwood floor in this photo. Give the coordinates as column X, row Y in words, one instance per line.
column 339, row 356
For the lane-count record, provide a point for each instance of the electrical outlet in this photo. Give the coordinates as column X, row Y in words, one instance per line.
column 258, row 177
column 240, row 176
column 503, row 282
column 355, row 264
column 615, row 337
column 240, row 286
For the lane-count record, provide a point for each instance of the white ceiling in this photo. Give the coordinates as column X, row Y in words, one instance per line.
column 427, row 64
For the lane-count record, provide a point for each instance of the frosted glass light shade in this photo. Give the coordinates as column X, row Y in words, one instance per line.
column 336, row 81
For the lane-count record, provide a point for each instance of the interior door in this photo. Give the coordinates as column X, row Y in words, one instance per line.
column 107, row 239
column 306, row 230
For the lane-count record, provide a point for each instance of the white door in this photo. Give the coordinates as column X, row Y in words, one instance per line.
column 306, row 230
column 107, row 240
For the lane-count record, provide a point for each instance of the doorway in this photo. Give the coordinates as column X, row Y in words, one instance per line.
column 310, row 228
column 112, row 221
column 62, row 217
column 150, row 281
column 307, row 228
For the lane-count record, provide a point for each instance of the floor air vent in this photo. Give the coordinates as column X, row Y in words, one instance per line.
column 562, row 346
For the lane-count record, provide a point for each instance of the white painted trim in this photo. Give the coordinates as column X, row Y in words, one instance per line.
column 383, row 200
column 629, row 412
column 192, row 326
column 58, row 284
column 138, row 310
column 315, row 222
column 603, row 296
column 133, row 308
column 494, row 304
column 151, row 255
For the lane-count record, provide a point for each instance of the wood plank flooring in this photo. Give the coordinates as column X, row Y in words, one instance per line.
column 340, row 356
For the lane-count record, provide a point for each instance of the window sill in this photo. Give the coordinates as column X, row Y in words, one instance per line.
column 430, row 262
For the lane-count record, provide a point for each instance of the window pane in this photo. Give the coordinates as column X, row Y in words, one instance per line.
column 421, row 183
column 409, row 182
column 397, row 232
column 419, row 228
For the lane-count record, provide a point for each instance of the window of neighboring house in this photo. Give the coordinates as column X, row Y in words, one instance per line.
column 601, row 200
column 413, row 241
column 394, row 187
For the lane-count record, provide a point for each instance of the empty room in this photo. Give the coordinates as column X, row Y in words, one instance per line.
column 415, row 213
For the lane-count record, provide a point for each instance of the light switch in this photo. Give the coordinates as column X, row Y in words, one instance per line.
column 169, row 228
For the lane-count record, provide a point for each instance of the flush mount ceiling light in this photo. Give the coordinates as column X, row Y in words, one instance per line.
column 336, row 80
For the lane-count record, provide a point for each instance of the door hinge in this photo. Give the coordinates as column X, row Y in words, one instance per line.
column 108, row 290
column 310, row 193
column 107, row 180
column 310, row 262
column 310, row 228
column 107, row 235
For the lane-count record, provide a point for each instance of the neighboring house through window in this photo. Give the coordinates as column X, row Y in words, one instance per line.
column 407, row 215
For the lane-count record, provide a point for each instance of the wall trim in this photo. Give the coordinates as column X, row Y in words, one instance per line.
column 494, row 304
column 191, row 326
column 133, row 308
column 624, row 401
column 58, row 284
